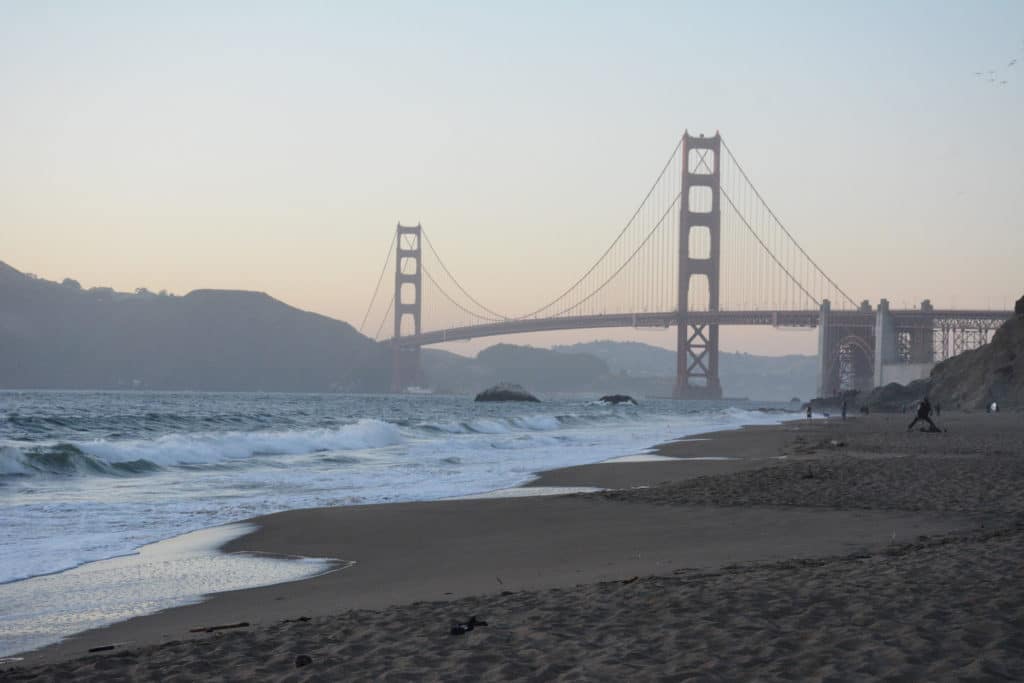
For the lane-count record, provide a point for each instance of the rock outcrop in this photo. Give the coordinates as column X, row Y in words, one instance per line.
column 994, row 372
column 616, row 399
column 893, row 397
column 506, row 391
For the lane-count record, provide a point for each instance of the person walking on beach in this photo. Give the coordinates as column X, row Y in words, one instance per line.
column 924, row 411
column 808, row 411
column 844, row 409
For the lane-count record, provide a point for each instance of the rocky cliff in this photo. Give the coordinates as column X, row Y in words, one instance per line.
column 994, row 372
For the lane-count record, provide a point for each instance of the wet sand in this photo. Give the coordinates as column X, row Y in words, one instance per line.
column 820, row 551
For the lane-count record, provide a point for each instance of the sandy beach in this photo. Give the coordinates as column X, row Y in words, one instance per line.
column 818, row 551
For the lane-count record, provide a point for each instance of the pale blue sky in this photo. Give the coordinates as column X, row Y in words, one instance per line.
column 273, row 146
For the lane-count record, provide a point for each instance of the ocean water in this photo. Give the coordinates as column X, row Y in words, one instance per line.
column 86, row 476
column 89, row 476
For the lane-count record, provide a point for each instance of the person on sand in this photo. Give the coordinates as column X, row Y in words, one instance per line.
column 808, row 411
column 924, row 411
column 844, row 409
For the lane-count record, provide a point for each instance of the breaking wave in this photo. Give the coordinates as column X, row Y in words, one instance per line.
column 142, row 456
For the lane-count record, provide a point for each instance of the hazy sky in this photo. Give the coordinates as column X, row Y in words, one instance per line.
column 273, row 146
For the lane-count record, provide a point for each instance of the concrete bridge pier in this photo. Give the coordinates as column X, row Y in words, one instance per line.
column 904, row 351
column 885, row 341
column 921, row 336
column 845, row 352
column 862, row 351
column 827, row 383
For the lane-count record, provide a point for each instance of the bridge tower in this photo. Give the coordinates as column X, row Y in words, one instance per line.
column 405, row 366
column 700, row 210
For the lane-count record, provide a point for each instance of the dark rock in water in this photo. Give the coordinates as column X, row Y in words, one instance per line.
column 506, row 392
column 616, row 399
column 1018, row 307
column 302, row 660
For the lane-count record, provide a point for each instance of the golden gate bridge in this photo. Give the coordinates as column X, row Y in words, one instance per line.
column 703, row 249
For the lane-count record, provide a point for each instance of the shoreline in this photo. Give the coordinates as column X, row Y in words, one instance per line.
column 536, row 485
column 470, row 549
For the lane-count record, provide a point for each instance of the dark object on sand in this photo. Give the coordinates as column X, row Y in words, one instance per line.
column 458, row 628
column 302, row 660
column 221, row 627
column 506, row 392
column 101, row 648
column 616, row 399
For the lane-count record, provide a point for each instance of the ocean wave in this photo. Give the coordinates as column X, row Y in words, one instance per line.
column 211, row 450
column 65, row 459
column 517, row 423
column 139, row 456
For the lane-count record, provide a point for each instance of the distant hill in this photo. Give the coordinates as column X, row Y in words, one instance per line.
column 57, row 335
column 613, row 367
column 538, row 370
column 60, row 336
column 632, row 358
column 743, row 375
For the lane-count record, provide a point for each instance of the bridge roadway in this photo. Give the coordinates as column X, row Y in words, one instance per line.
column 840, row 318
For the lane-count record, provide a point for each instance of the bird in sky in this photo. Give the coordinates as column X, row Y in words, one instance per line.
column 994, row 77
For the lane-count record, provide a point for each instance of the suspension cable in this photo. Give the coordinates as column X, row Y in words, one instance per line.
column 387, row 260
column 383, row 320
column 739, row 167
column 554, row 301
column 457, row 283
column 472, row 314
column 769, row 251
column 625, row 263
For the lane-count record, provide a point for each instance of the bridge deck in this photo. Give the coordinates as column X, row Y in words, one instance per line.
column 856, row 318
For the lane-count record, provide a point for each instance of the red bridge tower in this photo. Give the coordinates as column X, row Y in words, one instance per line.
column 700, row 210
column 405, row 368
